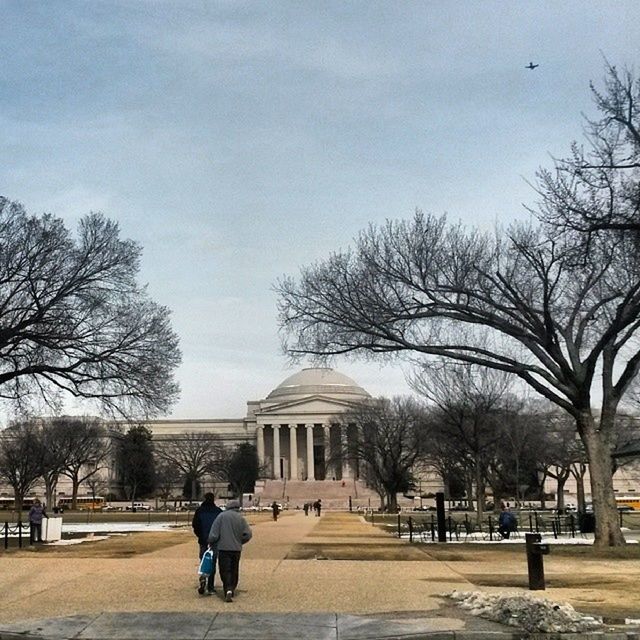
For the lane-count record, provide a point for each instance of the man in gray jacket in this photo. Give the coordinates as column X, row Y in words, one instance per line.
column 228, row 533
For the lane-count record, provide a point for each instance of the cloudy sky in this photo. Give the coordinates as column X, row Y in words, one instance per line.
column 238, row 141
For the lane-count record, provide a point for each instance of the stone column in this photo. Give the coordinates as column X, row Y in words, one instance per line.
column 260, row 444
column 311, row 472
column 293, row 451
column 276, row 451
column 344, row 439
column 327, row 450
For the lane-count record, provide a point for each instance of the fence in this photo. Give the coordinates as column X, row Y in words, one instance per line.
column 14, row 529
column 425, row 529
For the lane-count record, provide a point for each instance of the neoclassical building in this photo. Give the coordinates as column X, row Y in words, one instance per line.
column 295, row 428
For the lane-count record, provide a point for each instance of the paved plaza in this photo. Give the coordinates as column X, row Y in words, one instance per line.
column 303, row 577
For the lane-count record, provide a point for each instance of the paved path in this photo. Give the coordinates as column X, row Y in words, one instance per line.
column 288, row 588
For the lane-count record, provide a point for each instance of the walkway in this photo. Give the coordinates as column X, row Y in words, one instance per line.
column 381, row 587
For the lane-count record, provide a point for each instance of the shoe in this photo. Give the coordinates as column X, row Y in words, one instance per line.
column 203, row 585
column 228, row 597
column 210, row 591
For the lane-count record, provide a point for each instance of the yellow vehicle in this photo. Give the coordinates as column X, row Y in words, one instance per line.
column 628, row 503
column 84, row 503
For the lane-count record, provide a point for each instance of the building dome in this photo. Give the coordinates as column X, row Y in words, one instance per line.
column 317, row 380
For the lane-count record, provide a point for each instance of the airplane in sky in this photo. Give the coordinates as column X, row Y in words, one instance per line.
column 531, row 66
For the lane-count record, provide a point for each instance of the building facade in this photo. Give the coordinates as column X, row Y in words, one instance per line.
column 295, row 428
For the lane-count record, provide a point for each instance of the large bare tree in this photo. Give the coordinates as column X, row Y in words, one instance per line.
column 74, row 320
column 389, row 440
column 193, row 453
column 517, row 302
column 559, row 312
column 20, row 459
column 88, row 449
column 470, row 404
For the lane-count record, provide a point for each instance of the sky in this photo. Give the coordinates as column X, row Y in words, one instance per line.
column 239, row 141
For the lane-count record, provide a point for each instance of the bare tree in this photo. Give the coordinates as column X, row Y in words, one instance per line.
column 519, row 303
column 87, row 450
column 74, row 320
column 598, row 189
column 470, row 402
column 20, row 459
column 167, row 477
column 54, row 453
column 389, row 438
column 193, row 453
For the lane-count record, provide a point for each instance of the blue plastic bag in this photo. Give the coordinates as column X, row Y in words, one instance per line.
column 206, row 564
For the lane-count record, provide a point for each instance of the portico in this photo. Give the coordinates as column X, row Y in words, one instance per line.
column 298, row 433
column 304, row 451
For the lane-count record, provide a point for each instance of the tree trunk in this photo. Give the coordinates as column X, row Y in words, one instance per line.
column 578, row 474
column 561, row 480
column 469, row 491
column 50, row 484
column 479, row 494
column 543, row 501
column 608, row 533
column 75, row 485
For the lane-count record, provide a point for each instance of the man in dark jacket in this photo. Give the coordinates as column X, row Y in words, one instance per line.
column 507, row 523
column 203, row 518
column 228, row 533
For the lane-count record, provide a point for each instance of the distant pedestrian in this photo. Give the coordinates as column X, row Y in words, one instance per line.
column 203, row 518
column 317, row 507
column 275, row 507
column 228, row 533
column 306, row 508
column 36, row 515
column 507, row 523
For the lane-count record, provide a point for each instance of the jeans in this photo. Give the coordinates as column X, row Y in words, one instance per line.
column 229, row 567
column 203, row 548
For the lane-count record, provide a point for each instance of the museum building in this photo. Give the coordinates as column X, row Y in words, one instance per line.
column 295, row 428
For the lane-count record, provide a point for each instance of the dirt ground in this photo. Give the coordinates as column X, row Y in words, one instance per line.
column 360, row 561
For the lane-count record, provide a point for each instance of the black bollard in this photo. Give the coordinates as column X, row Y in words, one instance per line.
column 442, row 524
column 535, row 566
column 410, row 529
column 399, row 527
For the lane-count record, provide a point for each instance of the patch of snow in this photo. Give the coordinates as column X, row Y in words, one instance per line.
column 65, row 543
column 115, row 527
column 526, row 612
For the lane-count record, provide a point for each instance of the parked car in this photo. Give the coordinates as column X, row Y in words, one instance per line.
column 138, row 506
column 189, row 506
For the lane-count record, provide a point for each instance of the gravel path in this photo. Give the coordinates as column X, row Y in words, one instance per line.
column 42, row 585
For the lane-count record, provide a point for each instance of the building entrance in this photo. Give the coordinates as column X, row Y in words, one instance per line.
column 319, row 462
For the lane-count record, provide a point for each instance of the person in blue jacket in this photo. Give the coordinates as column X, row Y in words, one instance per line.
column 507, row 523
column 203, row 518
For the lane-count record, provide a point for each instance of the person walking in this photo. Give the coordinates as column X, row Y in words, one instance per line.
column 36, row 514
column 276, row 510
column 203, row 518
column 306, row 508
column 317, row 506
column 229, row 532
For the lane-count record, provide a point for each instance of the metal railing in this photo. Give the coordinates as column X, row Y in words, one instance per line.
column 18, row 529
